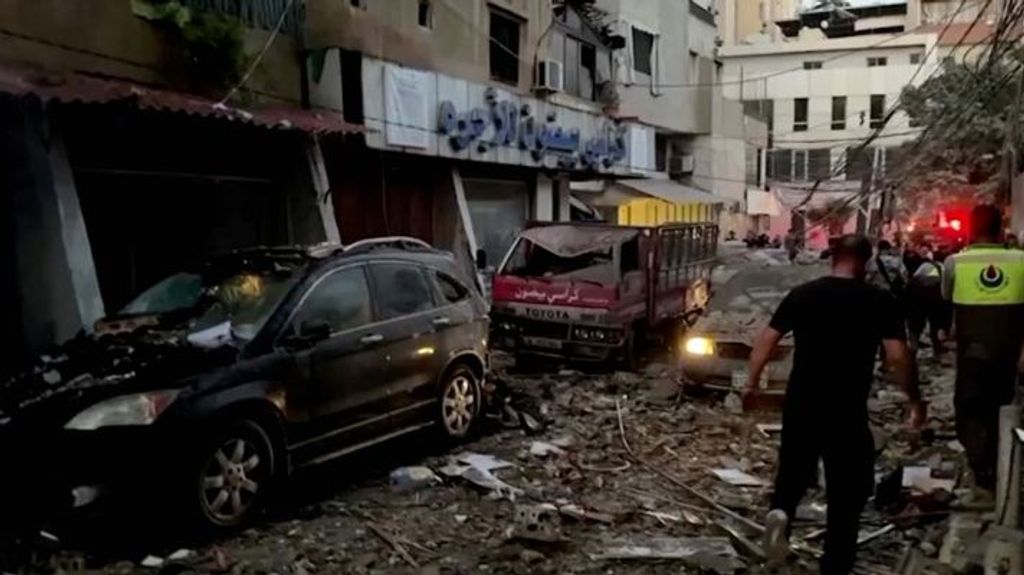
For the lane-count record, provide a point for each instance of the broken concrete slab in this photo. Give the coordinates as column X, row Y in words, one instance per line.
column 712, row 553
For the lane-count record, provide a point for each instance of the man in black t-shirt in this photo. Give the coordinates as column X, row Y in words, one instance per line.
column 838, row 322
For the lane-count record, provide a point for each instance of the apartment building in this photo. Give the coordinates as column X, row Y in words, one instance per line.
column 828, row 76
column 668, row 77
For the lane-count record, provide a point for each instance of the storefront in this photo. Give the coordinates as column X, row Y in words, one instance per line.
column 112, row 186
column 490, row 160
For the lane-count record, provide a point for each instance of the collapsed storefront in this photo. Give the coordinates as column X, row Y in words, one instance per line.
column 110, row 187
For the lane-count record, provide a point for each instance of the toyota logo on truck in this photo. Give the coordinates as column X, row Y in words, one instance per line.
column 546, row 313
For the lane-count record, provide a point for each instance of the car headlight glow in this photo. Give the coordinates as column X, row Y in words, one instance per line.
column 700, row 346
column 134, row 409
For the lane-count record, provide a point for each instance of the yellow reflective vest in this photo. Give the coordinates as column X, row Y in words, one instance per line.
column 984, row 275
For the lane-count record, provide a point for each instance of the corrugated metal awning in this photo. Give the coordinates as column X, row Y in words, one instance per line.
column 81, row 88
column 672, row 191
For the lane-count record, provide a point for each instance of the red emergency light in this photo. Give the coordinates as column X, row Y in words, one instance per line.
column 955, row 225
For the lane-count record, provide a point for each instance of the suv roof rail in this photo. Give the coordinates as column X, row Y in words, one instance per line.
column 395, row 242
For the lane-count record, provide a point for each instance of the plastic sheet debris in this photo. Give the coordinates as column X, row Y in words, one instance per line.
column 738, row 478
column 476, row 468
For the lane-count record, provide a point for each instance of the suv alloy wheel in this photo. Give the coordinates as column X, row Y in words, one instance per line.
column 460, row 403
column 235, row 475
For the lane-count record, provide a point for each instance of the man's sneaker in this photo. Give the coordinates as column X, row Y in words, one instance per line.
column 776, row 539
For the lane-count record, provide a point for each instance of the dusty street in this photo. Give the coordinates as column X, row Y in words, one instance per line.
column 570, row 497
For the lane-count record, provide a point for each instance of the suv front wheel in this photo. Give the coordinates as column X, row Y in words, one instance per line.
column 234, row 477
column 460, row 403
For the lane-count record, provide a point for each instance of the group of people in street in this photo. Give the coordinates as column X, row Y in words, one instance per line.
column 881, row 298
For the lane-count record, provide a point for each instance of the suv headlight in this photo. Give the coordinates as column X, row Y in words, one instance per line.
column 134, row 409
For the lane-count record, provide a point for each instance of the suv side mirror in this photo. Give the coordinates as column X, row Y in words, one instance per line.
column 481, row 259
column 313, row 330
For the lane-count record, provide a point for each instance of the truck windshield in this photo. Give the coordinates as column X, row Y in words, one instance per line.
column 531, row 260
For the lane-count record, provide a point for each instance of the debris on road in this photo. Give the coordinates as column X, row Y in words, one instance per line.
column 610, row 474
column 712, row 553
column 738, row 478
column 415, row 477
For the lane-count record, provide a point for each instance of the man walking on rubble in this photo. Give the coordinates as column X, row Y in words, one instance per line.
column 838, row 322
column 986, row 285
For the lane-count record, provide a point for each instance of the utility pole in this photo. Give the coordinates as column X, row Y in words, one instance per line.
column 1011, row 155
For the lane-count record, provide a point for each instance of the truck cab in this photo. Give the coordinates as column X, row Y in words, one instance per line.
column 595, row 292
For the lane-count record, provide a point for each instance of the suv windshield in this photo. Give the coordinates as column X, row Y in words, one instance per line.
column 244, row 299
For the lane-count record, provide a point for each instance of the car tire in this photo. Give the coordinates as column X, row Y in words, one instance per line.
column 460, row 404
column 233, row 477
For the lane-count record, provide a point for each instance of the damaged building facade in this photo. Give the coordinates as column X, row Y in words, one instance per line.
column 131, row 155
column 478, row 115
column 124, row 159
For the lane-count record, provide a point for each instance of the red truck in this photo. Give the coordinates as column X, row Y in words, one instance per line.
column 597, row 292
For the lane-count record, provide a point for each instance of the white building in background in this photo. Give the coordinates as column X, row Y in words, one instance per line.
column 825, row 78
column 668, row 77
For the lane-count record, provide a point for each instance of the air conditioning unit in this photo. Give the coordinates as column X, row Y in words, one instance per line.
column 549, row 76
column 680, row 164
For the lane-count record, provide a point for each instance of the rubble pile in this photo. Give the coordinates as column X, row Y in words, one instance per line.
column 614, row 473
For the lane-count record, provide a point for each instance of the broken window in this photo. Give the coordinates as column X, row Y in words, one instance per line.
column 341, row 299
column 819, row 164
column 800, row 114
column 838, row 112
column 425, row 14
column 504, row 47
column 400, row 290
column 799, row 165
column 877, row 111
column 643, row 50
column 451, row 289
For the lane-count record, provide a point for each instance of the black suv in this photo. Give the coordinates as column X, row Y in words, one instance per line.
column 214, row 384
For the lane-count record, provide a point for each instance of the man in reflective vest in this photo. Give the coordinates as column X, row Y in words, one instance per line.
column 986, row 285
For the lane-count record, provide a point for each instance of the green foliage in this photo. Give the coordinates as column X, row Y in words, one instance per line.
column 209, row 48
column 213, row 47
column 966, row 112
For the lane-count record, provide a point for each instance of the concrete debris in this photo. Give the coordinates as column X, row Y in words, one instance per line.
column 181, row 555
column 578, row 513
column 701, row 552
column 544, row 449
column 733, row 404
column 920, row 479
column 608, row 473
column 411, row 478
